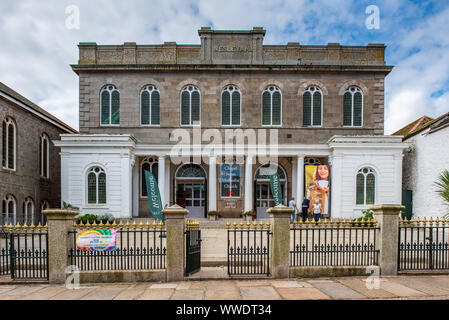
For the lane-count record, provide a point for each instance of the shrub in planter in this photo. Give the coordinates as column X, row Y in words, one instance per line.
column 91, row 218
column 251, row 212
column 213, row 213
column 367, row 216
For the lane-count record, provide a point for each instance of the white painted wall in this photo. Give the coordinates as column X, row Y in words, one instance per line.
column 429, row 156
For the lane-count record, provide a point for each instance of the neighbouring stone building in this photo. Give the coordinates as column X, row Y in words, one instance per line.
column 425, row 159
column 321, row 106
column 30, row 177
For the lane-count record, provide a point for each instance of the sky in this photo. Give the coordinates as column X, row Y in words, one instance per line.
column 38, row 42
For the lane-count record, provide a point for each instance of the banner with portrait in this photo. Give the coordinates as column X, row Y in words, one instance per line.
column 317, row 188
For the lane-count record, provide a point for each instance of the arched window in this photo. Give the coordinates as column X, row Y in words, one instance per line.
column 353, row 107
column 9, row 209
column 312, row 101
column 271, row 106
column 28, row 210
column 190, row 106
column 110, row 105
column 230, row 106
column 44, row 160
column 191, row 170
column 96, row 186
column 150, row 106
column 150, row 164
column 8, row 144
column 366, row 186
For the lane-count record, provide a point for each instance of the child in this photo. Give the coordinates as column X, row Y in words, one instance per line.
column 317, row 209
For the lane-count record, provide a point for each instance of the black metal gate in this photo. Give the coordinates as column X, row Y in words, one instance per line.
column 249, row 248
column 193, row 247
column 423, row 245
column 24, row 252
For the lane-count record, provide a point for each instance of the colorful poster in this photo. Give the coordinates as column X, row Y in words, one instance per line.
column 97, row 240
column 276, row 188
column 154, row 197
column 317, row 188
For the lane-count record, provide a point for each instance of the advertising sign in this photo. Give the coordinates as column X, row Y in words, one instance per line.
column 97, row 240
column 154, row 197
column 276, row 188
column 317, row 187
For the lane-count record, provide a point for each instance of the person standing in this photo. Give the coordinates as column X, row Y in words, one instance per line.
column 305, row 208
column 317, row 209
column 292, row 204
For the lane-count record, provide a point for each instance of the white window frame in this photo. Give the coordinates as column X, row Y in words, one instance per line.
column 316, row 88
column 356, row 89
column 186, row 88
column 267, row 89
column 9, row 121
column 370, row 170
column 235, row 89
column 89, row 170
column 150, row 89
column 110, row 88
column 42, row 138
column 154, row 163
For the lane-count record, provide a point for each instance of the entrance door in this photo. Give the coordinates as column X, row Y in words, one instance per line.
column 194, row 200
column 264, row 199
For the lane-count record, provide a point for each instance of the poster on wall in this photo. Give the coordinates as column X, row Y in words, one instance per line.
column 317, row 187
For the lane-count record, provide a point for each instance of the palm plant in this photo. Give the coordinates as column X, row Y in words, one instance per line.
column 442, row 185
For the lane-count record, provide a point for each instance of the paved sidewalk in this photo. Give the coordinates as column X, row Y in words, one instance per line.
column 400, row 287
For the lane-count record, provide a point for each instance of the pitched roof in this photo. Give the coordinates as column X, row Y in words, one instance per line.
column 415, row 125
column 44, row 114
column 418, row 126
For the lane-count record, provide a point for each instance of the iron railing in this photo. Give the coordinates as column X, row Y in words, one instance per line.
column 24, row 251
column 249, row 248
column 334, row 243
column 423, row 244
column 138, row 247
column 193, row 247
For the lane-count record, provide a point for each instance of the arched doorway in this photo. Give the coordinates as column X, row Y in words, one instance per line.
column 262, row 195
column 190, row 182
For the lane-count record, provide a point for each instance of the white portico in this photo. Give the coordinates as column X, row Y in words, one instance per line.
column 196, row 179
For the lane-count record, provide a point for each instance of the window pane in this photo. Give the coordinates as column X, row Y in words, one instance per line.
column 360, row 189
column 102, row 188
column 347, row 109
column 266, row 108
column 276, row 108
column 105, row 107
column 236, row 108
column 306, row 108
column 11, row 138
column 370, row 188
column 195, row 107
column 155, row 108
column 185, row 108
column 91, row 188
column 45, row 158
column 357, row 109
column 11, row 207
column 145, row 112
column 145, row 166
column 225, row 108
column 115, row 110
column 4, row 144
column 317, row 108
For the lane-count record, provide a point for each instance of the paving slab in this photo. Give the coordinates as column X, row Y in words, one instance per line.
column 441, row 282
column 72, row 294
column 132, row 292
column 226, row 292
column 45, row 293
column 336, row 290
column 253, row 283
column 156, row 294
column 422, row 285
column 286, row 284
column 359, row 285
column 302, row 294
column 184, row 285
column 191, row 294
column 259, row 293
column 22, row 290
column 103, row 293
column 170, row 285
column 400, row 290
column 6, row 288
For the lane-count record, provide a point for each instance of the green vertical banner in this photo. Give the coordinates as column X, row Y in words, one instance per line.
column 154, row 197
column 276, row 188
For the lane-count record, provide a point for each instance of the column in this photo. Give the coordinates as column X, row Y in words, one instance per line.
column 387, row 216
column 60, row 223
column 212, row 184
column 167, row 184
column 126, row 197
column 299, row 180
column 295, row 181
column 248, row 205
column 280, row 246
column 161, row 178
column 398, row 177
column 135, row 182
column 175, row 227
column 336, row 186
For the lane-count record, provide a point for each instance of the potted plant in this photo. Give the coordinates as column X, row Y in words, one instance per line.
column 367, row 216
column 250, row 215
column 213, row 215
